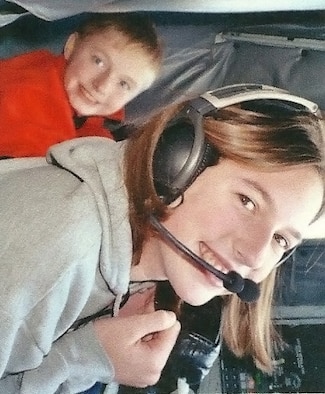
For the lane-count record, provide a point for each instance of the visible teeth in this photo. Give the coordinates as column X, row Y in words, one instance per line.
column 206, row 252
column 208, row 255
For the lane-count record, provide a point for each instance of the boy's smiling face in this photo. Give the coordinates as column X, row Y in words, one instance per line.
column 105, row 71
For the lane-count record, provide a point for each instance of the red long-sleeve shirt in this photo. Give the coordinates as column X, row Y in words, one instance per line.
column 34, row 109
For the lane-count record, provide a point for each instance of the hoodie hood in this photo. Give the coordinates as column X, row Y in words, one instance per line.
column 98, row 162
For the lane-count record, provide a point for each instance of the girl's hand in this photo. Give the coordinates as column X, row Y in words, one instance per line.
column 139, row 345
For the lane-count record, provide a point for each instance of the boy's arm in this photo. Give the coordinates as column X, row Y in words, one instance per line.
column 32, row 119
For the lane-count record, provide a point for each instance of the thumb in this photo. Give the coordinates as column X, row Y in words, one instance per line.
column 156, row 321
column 162, row 340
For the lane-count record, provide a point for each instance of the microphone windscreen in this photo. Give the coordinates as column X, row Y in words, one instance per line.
column 250, row 292
column 233, row 282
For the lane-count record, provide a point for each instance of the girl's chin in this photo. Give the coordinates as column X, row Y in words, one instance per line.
column 197, row 299
column 210, row 281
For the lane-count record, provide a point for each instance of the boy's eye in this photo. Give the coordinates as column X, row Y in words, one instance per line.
column 97, row 60
column 283, row 243
column 247, row 202
column 124, row 85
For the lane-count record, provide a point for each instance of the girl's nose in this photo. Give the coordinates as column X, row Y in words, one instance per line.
column 254, row 248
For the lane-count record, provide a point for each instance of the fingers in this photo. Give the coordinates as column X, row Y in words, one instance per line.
column 139, row 345
column 164, row 336
column 156, row 346
column 159, row 345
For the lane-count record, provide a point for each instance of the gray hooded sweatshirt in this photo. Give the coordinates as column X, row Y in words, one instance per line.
column 65, row 253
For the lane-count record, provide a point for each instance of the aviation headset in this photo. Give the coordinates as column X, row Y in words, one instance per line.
column 183, row 152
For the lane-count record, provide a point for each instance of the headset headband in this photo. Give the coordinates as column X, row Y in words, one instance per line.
column 235, row 94
column 194, row 160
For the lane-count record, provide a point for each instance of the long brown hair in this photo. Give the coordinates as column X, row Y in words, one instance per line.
column 263, row 141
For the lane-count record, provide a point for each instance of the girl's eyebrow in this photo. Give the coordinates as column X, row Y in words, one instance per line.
column 259, row 189
column 269, row 200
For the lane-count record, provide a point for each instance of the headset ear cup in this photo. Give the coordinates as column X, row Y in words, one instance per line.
column 209, row 158
column 173, row 156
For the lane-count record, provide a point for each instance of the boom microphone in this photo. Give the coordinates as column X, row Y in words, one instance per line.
column 246, row 289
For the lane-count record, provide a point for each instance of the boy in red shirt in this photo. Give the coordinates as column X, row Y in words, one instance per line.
column 46, row 99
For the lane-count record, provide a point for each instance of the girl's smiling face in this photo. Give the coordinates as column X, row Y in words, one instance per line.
column 238, row 219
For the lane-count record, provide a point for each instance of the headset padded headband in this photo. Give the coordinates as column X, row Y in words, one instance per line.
column 183, row 152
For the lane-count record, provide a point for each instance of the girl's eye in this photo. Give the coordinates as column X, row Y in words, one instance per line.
column 247, row 202
column 283, row 243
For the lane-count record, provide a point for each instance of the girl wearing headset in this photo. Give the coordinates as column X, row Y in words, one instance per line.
column 236, row 178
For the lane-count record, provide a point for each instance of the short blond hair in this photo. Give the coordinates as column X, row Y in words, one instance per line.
column 136, row 27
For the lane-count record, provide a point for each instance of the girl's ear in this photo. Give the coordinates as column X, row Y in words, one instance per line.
column 70, row 45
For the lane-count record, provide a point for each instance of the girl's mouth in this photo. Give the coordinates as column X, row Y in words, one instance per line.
column 210, row 257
